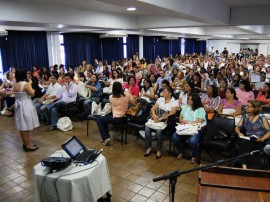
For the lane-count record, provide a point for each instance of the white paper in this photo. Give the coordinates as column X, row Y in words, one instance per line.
column 255, row 78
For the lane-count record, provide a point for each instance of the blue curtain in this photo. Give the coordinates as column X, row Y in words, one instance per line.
column 193, row 46
column 161, row 47
column 81, row 46
column 132, row 45
column 149, row 48
column 24, row 49
column 201, row 47
column 112, row 49
column 190, row 46
column 175, row 47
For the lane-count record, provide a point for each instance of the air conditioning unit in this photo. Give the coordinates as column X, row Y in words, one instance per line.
column 3, row 33
column 112, row 35
column 169, row 38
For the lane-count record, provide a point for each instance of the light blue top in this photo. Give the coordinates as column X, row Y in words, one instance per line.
column 190, row 115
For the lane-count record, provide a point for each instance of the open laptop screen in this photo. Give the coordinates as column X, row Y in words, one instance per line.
column 73, row 147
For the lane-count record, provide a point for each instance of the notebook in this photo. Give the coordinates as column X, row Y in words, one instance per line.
column 77, row 151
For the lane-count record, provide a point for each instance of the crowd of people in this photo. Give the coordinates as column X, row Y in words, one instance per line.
column 199, row 85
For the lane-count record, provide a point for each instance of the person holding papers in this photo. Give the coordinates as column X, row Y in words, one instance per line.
column 193, row 113
column 252, row 130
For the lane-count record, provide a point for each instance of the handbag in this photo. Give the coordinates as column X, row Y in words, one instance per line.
column 107, row 90
column 132, row 111
column 188, row 129
column 107, row 109
column 82, row 90
column 155, row 125
column 64, row 124
column 162, row 114
column 96, row 108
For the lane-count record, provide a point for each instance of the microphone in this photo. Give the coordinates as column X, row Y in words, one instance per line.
column 266, row 149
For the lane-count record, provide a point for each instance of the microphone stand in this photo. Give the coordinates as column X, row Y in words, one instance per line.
column 175, row 174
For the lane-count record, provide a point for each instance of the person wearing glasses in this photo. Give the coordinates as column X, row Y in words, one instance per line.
column 252, row 130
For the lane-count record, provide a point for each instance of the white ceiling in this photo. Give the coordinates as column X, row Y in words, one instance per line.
column 204, row 19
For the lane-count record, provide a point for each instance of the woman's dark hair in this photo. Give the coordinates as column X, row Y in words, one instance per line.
column 215, row 90
column 150, row 84
column 117, row 90
column 247, row 85
column 239, row 78
column 96, row 75
column 197, row 103
column 120, row 72
column 81, row 74
column 113, row 77
column 131, row 77
column 267, row 94
column 225, row 80
column 203, row 69
column 20, row 75
column 233, row 92
column 192, row 86
column 198, row 75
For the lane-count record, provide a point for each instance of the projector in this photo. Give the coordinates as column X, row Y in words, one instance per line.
column 56, row 163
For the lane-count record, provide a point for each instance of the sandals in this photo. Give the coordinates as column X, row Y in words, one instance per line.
column 26, row 149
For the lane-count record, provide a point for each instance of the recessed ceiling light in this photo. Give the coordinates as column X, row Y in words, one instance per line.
column 131, row 9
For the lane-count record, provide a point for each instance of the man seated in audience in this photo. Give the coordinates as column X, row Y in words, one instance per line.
column 67, row 94
column 161, row 78
column 53, row 90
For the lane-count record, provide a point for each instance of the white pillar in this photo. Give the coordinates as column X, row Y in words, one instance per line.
column 182, row 46
column 140, row 47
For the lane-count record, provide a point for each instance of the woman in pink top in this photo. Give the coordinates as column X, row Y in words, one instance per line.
column 244, row 92
column 119, row 101
column 132, row 87
column 230, row 102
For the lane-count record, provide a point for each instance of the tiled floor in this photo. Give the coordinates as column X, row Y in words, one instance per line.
column 131, row 173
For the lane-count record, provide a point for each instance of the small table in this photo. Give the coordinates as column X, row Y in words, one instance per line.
column 77, row 182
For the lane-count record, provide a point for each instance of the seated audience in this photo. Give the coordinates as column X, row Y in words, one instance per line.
column 190, row 114
column 119, row 101
column 183, row 97
column 230, row 105
column 67, row 94
column 95, row 87
column 167, row 103
column 223, row 88
column 244, row 92
column 211, row 101
column 252, row 124
column 147, row 91
column 264, row 95
column 53, row 90
column 132, row 87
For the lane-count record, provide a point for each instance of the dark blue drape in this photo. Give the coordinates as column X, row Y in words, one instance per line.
column 24, row 49
column 161, row 47
column 132, row 45
column 112, row 49
column 81, row 46
column 201, row 47
column 175, row 47
column 149, row 48
column 193, row 46
column 190, row 46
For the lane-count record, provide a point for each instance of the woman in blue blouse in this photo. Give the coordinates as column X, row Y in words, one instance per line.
column 191, row 114
column 253, row 123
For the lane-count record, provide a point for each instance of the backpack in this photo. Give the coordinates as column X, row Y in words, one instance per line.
column 143, row 112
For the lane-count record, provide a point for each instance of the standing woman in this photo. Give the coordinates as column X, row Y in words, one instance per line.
column 26, row 117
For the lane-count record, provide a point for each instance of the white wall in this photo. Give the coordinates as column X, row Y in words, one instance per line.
column 233, row 46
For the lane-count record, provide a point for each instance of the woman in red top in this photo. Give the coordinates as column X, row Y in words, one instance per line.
column 132, row 87
column 264, row 95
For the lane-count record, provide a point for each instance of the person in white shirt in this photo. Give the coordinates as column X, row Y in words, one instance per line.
column 53, row 89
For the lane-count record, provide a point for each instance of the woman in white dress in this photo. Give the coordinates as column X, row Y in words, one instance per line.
column 26, row 117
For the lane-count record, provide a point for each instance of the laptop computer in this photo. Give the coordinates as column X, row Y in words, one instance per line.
column 77, row 151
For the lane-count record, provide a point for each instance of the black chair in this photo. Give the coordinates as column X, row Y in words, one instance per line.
column 71, row 110
column 218, row 135
column 122, row 126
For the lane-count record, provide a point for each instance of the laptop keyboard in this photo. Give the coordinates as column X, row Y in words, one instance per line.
column 86, row 156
